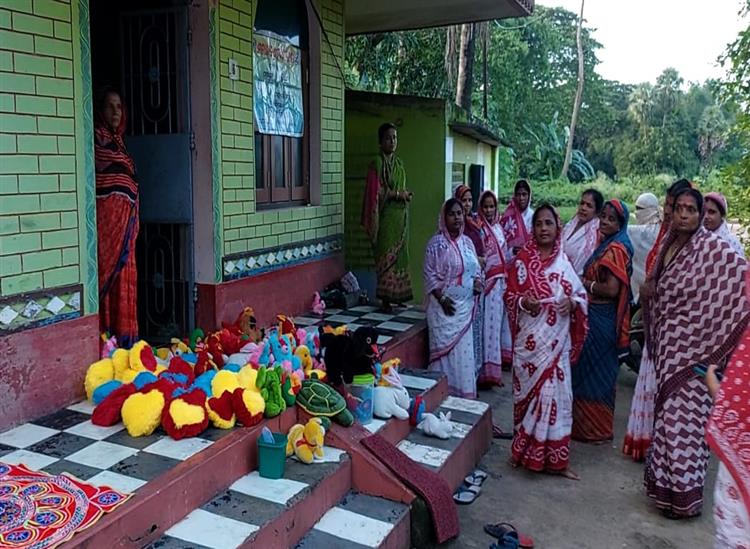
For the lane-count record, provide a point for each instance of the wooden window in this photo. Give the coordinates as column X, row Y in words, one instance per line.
column 282, row 164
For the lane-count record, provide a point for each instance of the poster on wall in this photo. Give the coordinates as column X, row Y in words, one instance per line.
column 277, row 101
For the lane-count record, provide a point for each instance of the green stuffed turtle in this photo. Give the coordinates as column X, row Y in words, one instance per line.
column 318, row 399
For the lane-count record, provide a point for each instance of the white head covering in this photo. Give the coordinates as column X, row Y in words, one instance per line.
column 647, row 209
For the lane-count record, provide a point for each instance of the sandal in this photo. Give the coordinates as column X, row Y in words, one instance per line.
column 497, row 432
column 476, row 478
column 464, row 495
column 502, row 530
column 508, row 541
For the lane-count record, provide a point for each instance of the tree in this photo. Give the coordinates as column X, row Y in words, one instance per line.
column 465, row 78
column 579, row 95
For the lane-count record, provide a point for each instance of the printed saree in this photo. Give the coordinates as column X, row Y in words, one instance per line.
column 580, row 244
column 386, row 222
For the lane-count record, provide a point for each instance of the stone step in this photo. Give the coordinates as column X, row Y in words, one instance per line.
column 259, row 512
column 359, row 521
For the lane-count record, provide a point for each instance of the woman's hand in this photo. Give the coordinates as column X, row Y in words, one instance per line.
column 531, row 305
column 566, row 306
column 482, row 262
column 477, row 286
column 712, row 380
column 449, row 308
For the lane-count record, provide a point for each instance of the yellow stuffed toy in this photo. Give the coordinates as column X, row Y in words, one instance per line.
column 247, row 377
column 98, row 373
column 224, row 380
column 141, row 412
column 306, row 441
column 121, row 361
column 142, row 357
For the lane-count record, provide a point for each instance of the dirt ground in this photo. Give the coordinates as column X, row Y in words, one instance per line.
column 606, row 509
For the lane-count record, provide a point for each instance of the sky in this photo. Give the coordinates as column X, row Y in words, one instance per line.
column 640, row 38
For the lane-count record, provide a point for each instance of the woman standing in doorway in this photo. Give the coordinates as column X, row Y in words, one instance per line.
column 516, row 220
column 116, row 221
column 452, row 280
column 385, row 218
column 547, row 308
column 695, row 315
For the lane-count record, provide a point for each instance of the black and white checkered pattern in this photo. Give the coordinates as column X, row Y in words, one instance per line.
column 67, row 441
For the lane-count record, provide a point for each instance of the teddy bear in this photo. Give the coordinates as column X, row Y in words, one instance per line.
column 306, row 441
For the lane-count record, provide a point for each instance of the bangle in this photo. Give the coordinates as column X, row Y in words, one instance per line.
column 591, row 287
column 442, row 299
column 520, row 305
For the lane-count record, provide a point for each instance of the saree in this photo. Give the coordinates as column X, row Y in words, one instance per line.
column 595, row 375
column 386, row 222
column 517, row 224
column 726, row 234
column 580, row 244
column 117, row 230
column 543, row 347
column 727, row 435
column 697, row 315
column 497, row 344
column 451, row 265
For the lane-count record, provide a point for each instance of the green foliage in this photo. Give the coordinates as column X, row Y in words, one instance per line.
column 545, row 163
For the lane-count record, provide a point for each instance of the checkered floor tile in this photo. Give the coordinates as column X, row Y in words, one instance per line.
column 67, row 442
column 250, row 502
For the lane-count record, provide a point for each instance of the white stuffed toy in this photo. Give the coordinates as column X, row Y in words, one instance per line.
column 391, row 402
column 436, row 426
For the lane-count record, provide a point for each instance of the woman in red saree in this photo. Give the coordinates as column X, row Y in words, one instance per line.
column 516, row 219
column 696, row 314
column 547, row 308
column 116, row 221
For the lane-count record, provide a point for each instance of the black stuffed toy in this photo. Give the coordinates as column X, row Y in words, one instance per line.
column 346, row 356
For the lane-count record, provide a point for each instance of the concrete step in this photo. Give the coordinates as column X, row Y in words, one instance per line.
column 359, row 521
column 259, row 512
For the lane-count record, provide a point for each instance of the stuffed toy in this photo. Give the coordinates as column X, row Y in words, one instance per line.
column 248, row 325
column 141, row 357
column 269, row 384
column 290, row 386
column 204, row 362
column 186, row 415
column 144, row 378
column 98, row 374
column 178, row 347
column 248, row 406
column 196, row 338
column 109, row 411
column 177, row 365
column 286, row 326
column 391, row 402
column 305, row 357
column 121, row 362
column 104, row 390
column 247, row 376
column 306, row 441
column 265, row 355
column 318, row 305
column 109, row 346
column 224, row 380
column 221, row 411
column 338, row 330
column 387, row 373
column 141, row 411
column 346, row 356
column 416, row 410
column 213, row 345
column 436, row 426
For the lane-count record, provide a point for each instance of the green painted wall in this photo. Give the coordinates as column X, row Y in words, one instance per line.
column 421, row 146
column 242, row 227
column 47, row 233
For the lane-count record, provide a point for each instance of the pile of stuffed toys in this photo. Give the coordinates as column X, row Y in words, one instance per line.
column 239, row 375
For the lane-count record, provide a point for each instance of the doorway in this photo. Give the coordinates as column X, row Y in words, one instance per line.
column 142, row 49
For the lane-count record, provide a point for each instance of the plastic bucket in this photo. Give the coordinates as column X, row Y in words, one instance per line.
column 362, row 389
column 272, row 456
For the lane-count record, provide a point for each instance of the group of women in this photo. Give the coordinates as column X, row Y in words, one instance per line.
column 555, row 301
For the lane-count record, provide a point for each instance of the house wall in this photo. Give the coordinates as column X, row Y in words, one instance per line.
column 47, row 206
column 421, row 147
column 250, row 242
column 470, row 151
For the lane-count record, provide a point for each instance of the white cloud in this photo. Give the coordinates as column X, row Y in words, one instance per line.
column 641, row 38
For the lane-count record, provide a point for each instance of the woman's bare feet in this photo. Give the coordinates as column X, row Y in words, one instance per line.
column 566, row 473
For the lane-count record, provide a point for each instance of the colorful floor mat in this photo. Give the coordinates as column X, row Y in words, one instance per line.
column 42, row 511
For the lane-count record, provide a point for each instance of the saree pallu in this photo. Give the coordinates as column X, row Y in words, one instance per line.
column 452, row 266
column 386, row 222
column 117, row 230
column 543, row 346
column 580, row 244
column 641, row 418
column 697, row 315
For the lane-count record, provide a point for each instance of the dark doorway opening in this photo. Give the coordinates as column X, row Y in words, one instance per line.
column 142, row 49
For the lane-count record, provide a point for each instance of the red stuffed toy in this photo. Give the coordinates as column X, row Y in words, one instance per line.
column 185, row 416
column 109, row 411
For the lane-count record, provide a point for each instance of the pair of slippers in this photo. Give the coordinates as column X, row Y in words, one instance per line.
column 471, row 488
column 508, row 537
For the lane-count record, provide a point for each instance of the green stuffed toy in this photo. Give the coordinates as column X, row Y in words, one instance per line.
column 287, row 391
column 269, row 385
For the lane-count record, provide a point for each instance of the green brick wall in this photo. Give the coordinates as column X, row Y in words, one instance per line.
column 245, row 229
column 40, row 204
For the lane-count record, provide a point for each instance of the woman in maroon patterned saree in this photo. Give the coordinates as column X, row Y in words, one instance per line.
column 116, row 221
column 697, row 313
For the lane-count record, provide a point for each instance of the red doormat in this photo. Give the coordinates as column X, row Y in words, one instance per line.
column 42, row 511
column 429, row 485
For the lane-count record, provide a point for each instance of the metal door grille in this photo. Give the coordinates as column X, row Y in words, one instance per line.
column 152, row 72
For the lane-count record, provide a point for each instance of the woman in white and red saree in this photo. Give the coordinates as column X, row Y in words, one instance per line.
column 452, row 280
column 547, row 308
column 581, row 234
column 696, row 314
column 497, row 343
column 516, row 219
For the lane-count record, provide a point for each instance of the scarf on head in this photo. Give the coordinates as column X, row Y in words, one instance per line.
column 513, row 224
column 492, row 245
column 472, row 222
column 647, row 209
